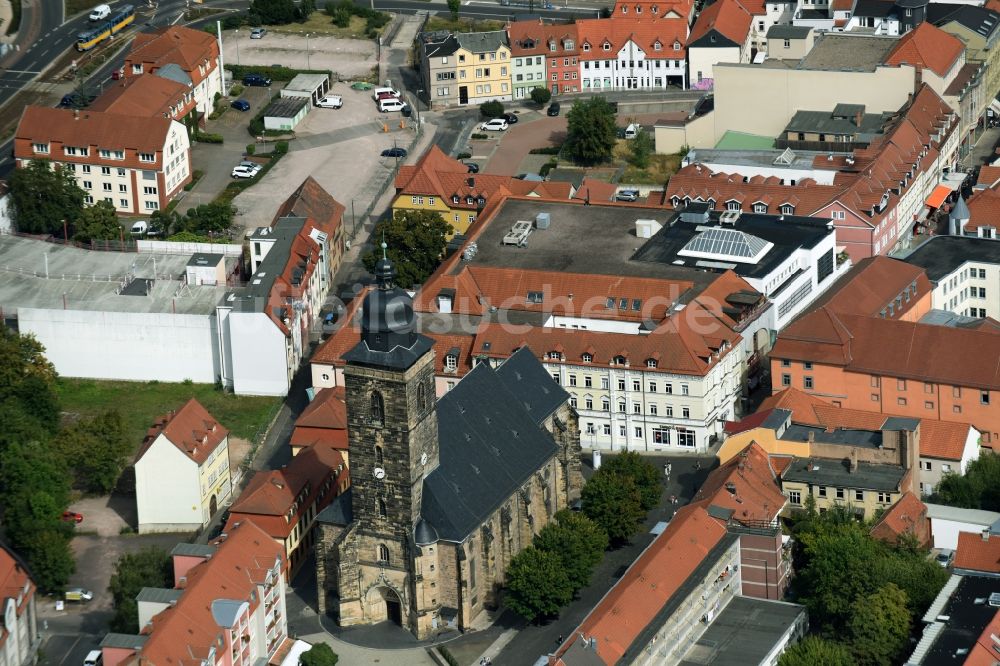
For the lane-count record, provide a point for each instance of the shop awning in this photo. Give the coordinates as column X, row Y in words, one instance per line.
column 938, row 196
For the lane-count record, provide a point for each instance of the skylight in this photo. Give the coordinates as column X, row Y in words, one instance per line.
column 731, row 244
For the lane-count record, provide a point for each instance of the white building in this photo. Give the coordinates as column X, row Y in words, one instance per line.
column 632, row 53
column 136, row 163
column 182, row 475
column 965, row 274
column 185, row 55
column 19, row 637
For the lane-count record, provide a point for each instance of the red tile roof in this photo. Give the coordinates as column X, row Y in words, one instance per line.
column 659, row 572
column 727, row 17
column 594, row 191
column 269, row 500
column 755, row 420
column 187, row 48
column 938, row 439
column 311, row 201
column 927, row 46
column 663, row 8
column 978, row 554
column 645, row 31
column 532, row 38
column 984, row 210
column 907, row 516
column 191, row 429
column 872, row 284
column 893, row 348
column 746, row 485
column 478, row 288
column 323, row 421
column 93, row 130
column 989, row 175
column 436, row 174
column 186, row 632
column 145, row 95
column 986, row 652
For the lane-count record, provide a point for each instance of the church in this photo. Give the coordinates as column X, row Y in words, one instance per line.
column 443, row 492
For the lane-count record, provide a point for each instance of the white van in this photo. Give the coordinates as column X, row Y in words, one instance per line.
column 140, row 227
column 94, row 658
column 390, row 104
column 380, row 91
column 100, row 12
column 632, row 131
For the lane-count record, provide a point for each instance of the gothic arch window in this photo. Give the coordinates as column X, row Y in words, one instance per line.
column 383, row 553
column 421, row 397
column 382, row 511
column 376, row 409
column 379, row 458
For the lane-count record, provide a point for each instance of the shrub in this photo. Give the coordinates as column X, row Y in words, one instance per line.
column 232, row 22
column 546, row 168
column 463, row 156
column 491, row 109
column 251, row 148
column 207, row 137
column 479, row 135
column 279, row 73
column 540, row 96
column 281, row 147
column 547, row 150
column 236, row 90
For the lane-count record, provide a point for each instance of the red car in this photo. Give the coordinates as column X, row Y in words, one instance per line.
column 72, row 517
column 118, row 74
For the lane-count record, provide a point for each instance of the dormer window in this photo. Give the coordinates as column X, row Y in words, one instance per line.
column 552, row 45
column 535, row 297
column 619, row 360
column 586, row 47
column 651, row 363
column 760, row 207
column 787, row 209
column 657, row 46
column 451, row 362
column 654, row 9
column 610, row 304
column 470, row 201
column 606, row 46
column 588, row 358
column 554, row 356
column 677, row 46
column 624, row 9
column 568, row 44
column 455, row 199
column 638, row 9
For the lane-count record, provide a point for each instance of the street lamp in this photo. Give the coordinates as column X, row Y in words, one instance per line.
column 307, row 52
column 236, row 38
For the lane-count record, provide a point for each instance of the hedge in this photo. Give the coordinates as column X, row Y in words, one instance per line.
column 207, row 137
column 273, row 73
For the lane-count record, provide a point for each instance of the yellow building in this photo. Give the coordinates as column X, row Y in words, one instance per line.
column 482, row 67
column 865, row 488
column 443, row 184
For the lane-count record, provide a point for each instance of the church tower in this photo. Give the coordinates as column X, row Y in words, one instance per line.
column 393, row 444
column 392, row 428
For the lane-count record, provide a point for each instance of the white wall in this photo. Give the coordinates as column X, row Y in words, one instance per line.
column 167, row 493
column 258, row 354
column 125, row 345
column 946, row 529
column 171, row 247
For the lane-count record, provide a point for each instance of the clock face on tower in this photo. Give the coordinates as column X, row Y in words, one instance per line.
column 379, row 473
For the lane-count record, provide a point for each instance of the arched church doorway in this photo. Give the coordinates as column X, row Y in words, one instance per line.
column 384, row 604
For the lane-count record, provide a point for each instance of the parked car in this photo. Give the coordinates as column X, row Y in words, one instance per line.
column 118, row 74
column 242, row 171
column 94, row 658
column 394, row 152
column 258, row 33
column 627, row 195
column 377, row 92
column 331, row 102
column 361, row 85
column 511, row 118
column 256, row 80
column 76, row 100
column 553, row 109
column 472, row 167
column 138, row 229
column 72, row 517
column 78, row 594
column 495, row 125
column 945, row 557
column 406, row 111
column 240, row 105
column 390, row 104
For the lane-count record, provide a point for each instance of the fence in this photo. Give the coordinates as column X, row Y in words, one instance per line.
column 123, row 245
column 168, row 247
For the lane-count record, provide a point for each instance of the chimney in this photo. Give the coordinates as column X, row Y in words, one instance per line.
column 986, row 535
column 76, row 114
column 854, row 460
column 471, row 181
column 811, row 437
column 858, row 116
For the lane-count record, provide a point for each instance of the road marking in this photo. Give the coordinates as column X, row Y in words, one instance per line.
column 21, row 71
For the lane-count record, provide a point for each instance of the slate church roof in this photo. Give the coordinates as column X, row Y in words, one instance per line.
column 491, row 442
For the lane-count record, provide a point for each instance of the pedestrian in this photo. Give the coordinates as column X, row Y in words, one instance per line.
column 560, row 639
column 673, row 499
column 666, row 469
column 697, row 464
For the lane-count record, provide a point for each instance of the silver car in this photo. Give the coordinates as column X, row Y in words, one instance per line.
column 258, row 33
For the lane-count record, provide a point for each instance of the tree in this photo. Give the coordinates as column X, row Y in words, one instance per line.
column 614, row 502
column 578, row 542
column 149, row 567
column 44, row 197
column 880, row 626
column 274, row 12
column 491, row 109
column 591, row 132
column 537, row 584
column 306, row 8
column 210, row 218
column 816, row 651
column 415, row 240
column 646, row 477
column 48, row 554
column 319, row 654
column 541, row 96
column 642, row 147
column 96, row 450
column 979, row 488
column 98, row 222
column 454, row 6
column 27, row 385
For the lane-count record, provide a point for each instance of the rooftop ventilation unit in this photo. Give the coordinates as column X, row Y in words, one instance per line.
column 542, row 221
column 729, row 217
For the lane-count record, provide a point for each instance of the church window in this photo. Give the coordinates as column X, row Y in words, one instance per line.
column 383, row 553
column 421, row 397
column 377, row 407
column 379, row 458
column 472, row 574
column 382, row 511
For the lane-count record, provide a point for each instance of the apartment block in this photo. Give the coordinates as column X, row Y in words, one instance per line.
column 185, row 55
column 964, row 272
column 136, row 163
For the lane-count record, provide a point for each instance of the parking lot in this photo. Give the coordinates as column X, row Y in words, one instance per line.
column 346, row 58
column 340, row 148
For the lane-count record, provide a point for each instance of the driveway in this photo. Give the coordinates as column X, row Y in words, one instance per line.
column 217, row 160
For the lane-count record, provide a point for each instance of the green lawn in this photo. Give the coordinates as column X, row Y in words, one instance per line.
column 142, row 402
